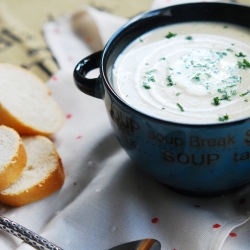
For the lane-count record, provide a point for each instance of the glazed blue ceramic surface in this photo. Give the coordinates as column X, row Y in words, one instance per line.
column 201, row 160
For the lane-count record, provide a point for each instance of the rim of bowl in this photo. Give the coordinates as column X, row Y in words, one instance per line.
column 151, row 14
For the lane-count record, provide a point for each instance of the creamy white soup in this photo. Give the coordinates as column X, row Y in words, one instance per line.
column 193, row 73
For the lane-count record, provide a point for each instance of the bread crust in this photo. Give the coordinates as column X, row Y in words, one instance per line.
column 11, row 121
column 14, row 168
column 23, row 127
column 27, row 108
column 51, row 184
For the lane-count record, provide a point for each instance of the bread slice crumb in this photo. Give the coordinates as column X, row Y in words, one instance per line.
column 42, row 175
column 13, row 156
column 26, row 104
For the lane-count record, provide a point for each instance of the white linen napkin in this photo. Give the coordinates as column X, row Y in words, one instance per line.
column 67, row 48
column 106, row 200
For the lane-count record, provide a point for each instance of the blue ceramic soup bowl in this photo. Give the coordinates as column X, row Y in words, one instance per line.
column 201, row 160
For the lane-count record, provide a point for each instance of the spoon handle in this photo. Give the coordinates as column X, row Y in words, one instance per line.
column 26, row 235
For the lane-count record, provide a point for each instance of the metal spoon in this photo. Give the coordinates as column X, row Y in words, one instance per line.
column 40, row 243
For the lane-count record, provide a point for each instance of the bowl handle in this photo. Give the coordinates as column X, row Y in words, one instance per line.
column 92, row 87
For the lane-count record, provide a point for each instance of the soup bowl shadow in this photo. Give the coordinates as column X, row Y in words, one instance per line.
column 196, row 159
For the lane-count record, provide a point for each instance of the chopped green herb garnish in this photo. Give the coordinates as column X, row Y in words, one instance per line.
column 178, row 94
column 140, row 40
column 189, row 38
column 146, row 86
column 196, row 78
column 199, row 65
column 240, row 55
column 170, row 81
column 170, row 34
column 233, row 92
column 207, row 75
column 163, row 58
column 216, row 101
column 246, row 93
column 225, row 97
column 236, row 78
column 151, row 71
column 221, row 54
column 151, row 79
column 247, row 63
column 246, row 100
column 224, row 118
column 162, row 108
column 180, row 107
column 225, row 27
column 230, row 50
column 243, row 65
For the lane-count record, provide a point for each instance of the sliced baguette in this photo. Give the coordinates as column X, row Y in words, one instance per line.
column 13, row 156
column 26, row 104
column 42, row 175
